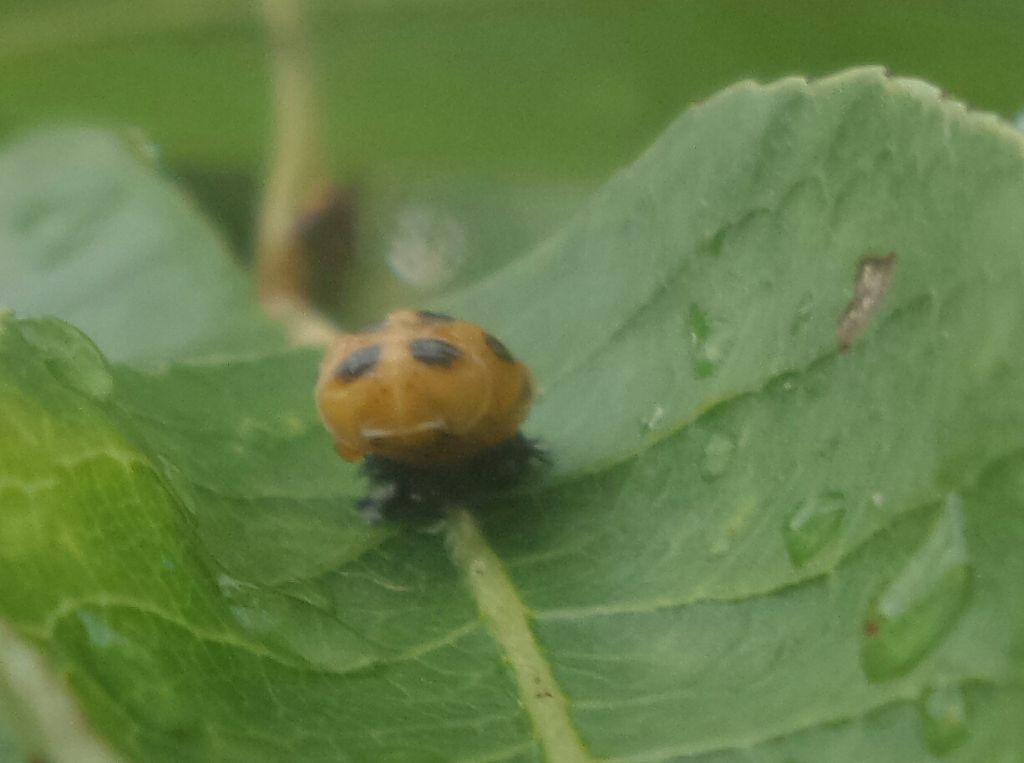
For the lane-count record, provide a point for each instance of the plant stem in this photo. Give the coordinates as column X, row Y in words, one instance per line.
column 296, row 176
column 506, row 617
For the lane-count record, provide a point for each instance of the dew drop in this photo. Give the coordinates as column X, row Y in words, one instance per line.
column 253, row 619
column 783, row 384
column 707, row 347
column 98, row 631
column 230, row 587
column 70, row 356
column 718, row 455
column 813, row 525
column 244, row 604
column 651, row 421
column 919, row 606
column 943, row 719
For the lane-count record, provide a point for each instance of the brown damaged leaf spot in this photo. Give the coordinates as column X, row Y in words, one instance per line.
column 874, row 274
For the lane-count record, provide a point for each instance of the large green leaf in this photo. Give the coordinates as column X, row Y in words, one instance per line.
column 750, row 546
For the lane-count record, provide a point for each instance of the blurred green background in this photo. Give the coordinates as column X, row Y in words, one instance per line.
column 470, row 128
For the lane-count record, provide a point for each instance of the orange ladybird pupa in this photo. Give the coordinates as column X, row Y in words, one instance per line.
column 421, row 389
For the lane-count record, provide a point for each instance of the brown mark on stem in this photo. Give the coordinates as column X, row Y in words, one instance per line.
column 306, row 224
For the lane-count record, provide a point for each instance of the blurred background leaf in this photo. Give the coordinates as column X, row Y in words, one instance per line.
column 473, row 129
column 91, row 233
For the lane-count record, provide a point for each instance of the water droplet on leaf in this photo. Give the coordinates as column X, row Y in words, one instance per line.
column 718, row 455
column 650, row 421
column 98, row 630
column 814, row 524
column 70, row 356
column 229, row 586
column 783, row 384
column 920, row 605
column 943, row 719
column 707, row 347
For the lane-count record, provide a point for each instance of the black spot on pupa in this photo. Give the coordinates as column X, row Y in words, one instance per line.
column 434, row 352
column 358, row 363
column 498, row 348
column 430, row 315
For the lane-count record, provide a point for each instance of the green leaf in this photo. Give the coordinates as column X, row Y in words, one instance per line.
column 90, row 234
column 750, row 545
column 40, row 717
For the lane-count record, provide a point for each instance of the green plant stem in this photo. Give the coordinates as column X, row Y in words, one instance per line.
column 296, row 175
column 506, row 616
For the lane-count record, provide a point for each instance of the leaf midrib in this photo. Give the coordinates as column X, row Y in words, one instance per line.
column 507, row 619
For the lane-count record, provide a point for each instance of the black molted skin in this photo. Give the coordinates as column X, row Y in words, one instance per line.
column 434, row 352
column 414, row 495
column 358, row 363
column 498, row 348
